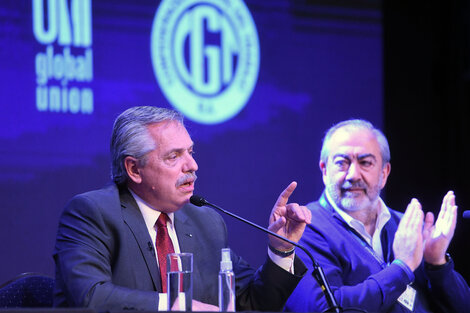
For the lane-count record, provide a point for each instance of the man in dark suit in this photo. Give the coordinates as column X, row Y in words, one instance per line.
column 107, row 239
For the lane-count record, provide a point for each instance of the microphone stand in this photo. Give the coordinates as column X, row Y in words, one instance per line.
column 317, row 273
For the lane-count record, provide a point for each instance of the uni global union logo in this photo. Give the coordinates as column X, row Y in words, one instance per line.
column 205, row 56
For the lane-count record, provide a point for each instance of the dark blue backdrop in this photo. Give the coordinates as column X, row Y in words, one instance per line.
column 318, row 64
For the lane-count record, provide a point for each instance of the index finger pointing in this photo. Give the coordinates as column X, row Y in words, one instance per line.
column 285, row 194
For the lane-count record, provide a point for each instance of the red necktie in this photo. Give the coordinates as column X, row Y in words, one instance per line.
column 164, row 246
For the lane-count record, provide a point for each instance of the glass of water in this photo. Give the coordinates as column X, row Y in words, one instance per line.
column 179, row 281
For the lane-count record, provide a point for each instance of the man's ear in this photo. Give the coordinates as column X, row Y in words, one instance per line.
column 322, row 165
column 385, row 172
column 132, row 168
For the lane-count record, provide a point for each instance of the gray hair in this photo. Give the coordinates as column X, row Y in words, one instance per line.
column 131, row 136
column 356, row 124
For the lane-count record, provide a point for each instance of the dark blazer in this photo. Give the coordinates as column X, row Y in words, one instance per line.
column 105, row 258
column 358, row 280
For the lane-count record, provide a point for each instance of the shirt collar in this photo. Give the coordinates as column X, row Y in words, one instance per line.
column 383, row 216
column 149, row 213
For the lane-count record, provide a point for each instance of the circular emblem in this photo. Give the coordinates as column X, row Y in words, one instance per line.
column 205, row 55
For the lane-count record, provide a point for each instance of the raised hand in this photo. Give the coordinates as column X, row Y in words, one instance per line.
column 287, row 219
column 408, row 241
column 437, row 236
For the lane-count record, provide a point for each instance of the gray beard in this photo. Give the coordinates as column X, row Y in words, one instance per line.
column 354, row 204
column 351, row 203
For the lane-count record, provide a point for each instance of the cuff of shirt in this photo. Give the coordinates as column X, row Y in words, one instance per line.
column 162, row 302
column 286, row 263
column 406, row 268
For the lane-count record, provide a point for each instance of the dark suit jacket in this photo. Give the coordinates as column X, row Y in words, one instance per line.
column 105, row 258
column 358, row 280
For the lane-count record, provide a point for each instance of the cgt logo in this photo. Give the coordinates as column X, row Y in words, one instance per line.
column 205, row 56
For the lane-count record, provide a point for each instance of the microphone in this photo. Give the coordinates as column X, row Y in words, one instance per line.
column 317, row 273
column 466, row 214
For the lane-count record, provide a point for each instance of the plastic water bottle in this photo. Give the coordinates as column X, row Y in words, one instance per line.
column 226, row 283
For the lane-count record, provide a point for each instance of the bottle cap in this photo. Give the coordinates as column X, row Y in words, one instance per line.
column 226, row 262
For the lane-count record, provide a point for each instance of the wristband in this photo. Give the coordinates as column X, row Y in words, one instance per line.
column 281, row 253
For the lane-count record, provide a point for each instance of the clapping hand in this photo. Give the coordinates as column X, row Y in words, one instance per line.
column 437, row 236
column 408, row 241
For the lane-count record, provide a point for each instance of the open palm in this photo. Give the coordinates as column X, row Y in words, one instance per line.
column 438, row 235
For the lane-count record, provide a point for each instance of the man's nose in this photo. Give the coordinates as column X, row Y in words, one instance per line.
column 354, row 172
column 190, row 164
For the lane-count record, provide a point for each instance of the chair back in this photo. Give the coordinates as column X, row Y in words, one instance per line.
column 27, row 290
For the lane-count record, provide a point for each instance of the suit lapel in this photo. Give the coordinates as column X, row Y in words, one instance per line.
column 133, row 218
column 185, row 231
column 188, row 240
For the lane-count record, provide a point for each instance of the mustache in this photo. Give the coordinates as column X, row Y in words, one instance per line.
column 186, row 178
column 358, row 184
